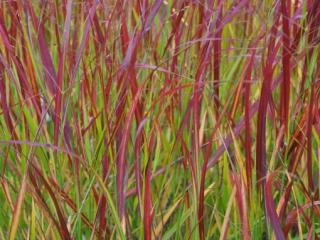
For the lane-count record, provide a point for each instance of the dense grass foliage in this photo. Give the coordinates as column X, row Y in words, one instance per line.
column 162, row 119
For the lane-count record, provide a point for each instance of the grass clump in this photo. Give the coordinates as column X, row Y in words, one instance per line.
column 159, row 119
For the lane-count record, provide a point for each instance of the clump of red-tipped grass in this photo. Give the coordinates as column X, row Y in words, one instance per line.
column 159, row 119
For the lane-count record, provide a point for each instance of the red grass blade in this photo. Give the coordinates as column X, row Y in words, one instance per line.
column 217, row 56
column 242, row 205
column 147, row 211
column 62, row 55
column 121, row 160
column 286, row 55
column 137, row 167
column 4, row 105
column 44, row 50
column 261, row 168
column 87, row 28
column 309, row 138
column 293, row 214
column 249, row 161
column 271, row 210
column 63, row 225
